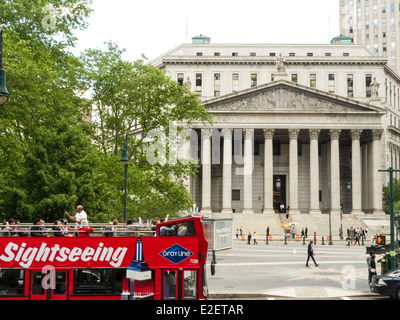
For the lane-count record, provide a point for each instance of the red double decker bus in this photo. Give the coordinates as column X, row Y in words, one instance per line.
column 169, row 265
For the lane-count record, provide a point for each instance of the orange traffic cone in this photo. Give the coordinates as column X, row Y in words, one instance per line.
column 242, row 236
column 297, row 237
column 270, row 237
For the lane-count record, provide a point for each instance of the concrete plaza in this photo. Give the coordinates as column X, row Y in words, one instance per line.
column 277, row 270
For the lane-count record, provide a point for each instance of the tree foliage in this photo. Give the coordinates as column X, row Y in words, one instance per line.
column 43, row 119
column 51, row 159
column 138, row 98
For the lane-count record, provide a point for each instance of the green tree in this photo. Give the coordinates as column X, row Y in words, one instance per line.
column 138, row 98
column 46, row 158
column 386, row 194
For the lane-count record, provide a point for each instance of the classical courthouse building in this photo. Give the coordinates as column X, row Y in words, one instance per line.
column 303, row 126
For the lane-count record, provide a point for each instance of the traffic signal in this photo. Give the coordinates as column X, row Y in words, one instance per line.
column 381, row 240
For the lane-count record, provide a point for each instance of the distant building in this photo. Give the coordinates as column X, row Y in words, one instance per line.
column 375, row 24
column 314, row 123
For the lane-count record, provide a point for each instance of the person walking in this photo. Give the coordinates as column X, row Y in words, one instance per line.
column 369, row 267
column 357, row 239
column 310, row 254
column 373, row 266
column 267, row 234
column 255, row 238
column 249, row 238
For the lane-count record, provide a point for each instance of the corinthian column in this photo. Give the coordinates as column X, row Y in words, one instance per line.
column 206, row 174
column 248, row 171
column 356, row 171
column 314, row 172
column 335, row 171
column 293, row 171
column 268, row 171
column 376, row 175
column 227, row 172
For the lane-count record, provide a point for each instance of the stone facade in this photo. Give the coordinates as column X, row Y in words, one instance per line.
column 316, row 130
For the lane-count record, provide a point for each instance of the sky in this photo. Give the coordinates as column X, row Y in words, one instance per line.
column 153, row 27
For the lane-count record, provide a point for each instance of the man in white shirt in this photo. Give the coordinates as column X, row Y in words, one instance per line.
column 79, row 216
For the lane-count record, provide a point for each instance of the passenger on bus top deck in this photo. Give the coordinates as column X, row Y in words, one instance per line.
column 38, row 229
column 79, row 216
column 84, row 230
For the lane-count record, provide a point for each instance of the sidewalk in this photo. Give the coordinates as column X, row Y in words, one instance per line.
column 303, row 292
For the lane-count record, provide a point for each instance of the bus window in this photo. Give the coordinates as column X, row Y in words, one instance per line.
column 189, row 283
column 61, row 278
column 37, row 282
column 169, row 285
column 185, row 229
column 205, row 284
column 12, row 282
column 98, row 281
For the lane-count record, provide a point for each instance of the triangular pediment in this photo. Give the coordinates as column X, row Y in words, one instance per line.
column 284, row 96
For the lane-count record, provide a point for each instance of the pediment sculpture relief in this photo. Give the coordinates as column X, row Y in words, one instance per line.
column 279, row 99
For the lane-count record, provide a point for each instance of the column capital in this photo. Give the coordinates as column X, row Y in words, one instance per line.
column 314, row 134
column 377, row 134
column 269, row 133
column 355, row 134
column 227, row 133
column 206, row 133
column 248, row 133
column 334, row 134
column 294, row 133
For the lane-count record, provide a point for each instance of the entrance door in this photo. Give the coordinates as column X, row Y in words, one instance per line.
column 279, row 193
column 179, row 284
column 48, row 284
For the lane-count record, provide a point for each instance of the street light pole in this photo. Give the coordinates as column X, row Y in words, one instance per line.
column 3, row 84
column 125, row 162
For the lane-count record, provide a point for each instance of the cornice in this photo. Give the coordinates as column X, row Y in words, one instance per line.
column 204, row 60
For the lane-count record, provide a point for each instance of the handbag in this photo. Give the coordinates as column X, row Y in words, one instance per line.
column 373, row 270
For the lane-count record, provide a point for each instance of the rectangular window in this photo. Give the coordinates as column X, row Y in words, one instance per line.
column 199, row 54
column 235, row 54
column 252, row 54
column 217, row 84
column 98, row 281
column 235, row 82
column 253, row 80
column 294, row 78
column 350, row 89
column 331, row 83
column 180, row 78
column 272, row 77
column 199, row 83
column 368, row 80
column 12, row 282
column 217, row 54
column 313, row 80
column 235, row 195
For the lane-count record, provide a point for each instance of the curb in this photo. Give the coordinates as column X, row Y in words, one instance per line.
column 255, row 295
